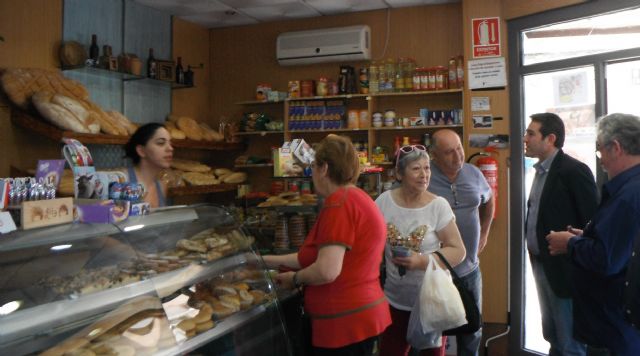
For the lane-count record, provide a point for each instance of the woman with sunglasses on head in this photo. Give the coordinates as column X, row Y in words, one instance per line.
column 150, row 150
column 338, row 264
column 423, row 222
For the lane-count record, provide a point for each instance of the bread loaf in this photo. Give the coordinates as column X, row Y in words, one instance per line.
column 107, row 124
column 78, row 110
column 123, row 121
column 189, row 166
column 175, row 132
column 57, row 114
column 190, row 128
column 20, row 84
column 237, row 177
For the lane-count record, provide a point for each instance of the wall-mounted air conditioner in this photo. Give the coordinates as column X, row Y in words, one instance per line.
column 326, row 45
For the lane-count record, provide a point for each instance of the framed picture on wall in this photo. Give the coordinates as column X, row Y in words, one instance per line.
column 165, row 70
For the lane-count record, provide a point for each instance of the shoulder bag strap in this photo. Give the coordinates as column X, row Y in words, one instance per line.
column 446, row 263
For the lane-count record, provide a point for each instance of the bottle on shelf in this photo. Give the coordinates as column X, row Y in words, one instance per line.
column 373, row 78
column 94, row 51
column 152, row 65
column 179, row 72
column 188, row 77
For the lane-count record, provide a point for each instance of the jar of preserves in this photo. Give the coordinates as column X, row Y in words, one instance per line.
column 363, row 80
column 425, row 79
column 321, row 87
column 417, row 73
column 382, row 76
column 432, row 78
column 460, row 68
column 306, row 88
column 442, row 77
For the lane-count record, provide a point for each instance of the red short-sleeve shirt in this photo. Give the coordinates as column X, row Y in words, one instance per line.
column 352, row 308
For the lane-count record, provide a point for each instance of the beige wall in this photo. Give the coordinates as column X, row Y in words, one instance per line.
column 517, row 8
column 32, row 30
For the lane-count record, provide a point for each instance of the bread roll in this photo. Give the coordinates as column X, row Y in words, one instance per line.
column 237, row 177
column 189, row 166
column 57, row 114
column 123, row 121
column 222, row 171
column 190, row 127
column 107, row 124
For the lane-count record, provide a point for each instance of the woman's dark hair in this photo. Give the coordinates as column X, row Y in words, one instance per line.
column 142, row 135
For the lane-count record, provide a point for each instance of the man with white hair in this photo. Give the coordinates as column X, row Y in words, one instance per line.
column 605, row 269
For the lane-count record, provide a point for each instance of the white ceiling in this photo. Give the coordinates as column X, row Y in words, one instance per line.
column 227, row 13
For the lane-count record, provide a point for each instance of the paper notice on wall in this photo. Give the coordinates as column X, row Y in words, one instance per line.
column 487, row 73
column 480, row 103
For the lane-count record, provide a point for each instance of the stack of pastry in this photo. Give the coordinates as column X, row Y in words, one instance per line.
column 199, row 323
column 281, row 239
column 297, row 230
column 209, row 245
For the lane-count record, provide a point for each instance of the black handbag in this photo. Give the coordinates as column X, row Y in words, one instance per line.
column 474, row 319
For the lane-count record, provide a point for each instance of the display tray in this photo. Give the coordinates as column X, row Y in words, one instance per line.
column 30, row 122
column 202, row 189
column 68, row 233
column 19, row 327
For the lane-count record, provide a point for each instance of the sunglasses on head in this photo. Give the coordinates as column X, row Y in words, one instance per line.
column 404, row 150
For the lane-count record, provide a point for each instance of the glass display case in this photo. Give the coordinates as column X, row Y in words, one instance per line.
column 173, row 282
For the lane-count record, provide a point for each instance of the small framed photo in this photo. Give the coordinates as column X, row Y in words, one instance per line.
column 165, row 70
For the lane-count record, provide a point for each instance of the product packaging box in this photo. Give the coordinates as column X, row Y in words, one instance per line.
column 284, row 163
column 102, row 211
column 41, row 213
column 302, row 152
column 139, row 209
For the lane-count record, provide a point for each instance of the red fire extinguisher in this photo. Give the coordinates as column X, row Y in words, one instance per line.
column 489, row 168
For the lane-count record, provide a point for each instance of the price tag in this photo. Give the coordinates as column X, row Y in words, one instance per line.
column 6, row 222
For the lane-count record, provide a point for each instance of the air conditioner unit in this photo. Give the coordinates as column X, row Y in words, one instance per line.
column 327, row 45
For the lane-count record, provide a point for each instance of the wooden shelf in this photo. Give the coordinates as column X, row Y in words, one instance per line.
column 257, row 102
column 45, row 129
column 413, row 93
column 328, row 130
column 202, row 189
column 258, row 133
column 258, row 165
column 331, row 97
column 422, row 127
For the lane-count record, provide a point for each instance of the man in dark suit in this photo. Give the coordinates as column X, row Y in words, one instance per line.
column 563, row 194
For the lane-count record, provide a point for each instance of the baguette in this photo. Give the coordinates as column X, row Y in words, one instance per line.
column 57, row 114
column 123, row 121
column 190, row 127
column 78, row 110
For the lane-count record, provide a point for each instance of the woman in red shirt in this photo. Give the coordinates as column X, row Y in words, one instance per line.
column 338, row 264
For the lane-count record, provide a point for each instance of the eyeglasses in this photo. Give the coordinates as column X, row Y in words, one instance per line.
column 408, row 149
column 454, row 191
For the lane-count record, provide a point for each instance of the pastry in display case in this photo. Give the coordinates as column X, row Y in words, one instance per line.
column 177, row 281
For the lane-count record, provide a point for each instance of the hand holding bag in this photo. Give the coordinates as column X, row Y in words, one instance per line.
column 440, row 305
column 473, row 317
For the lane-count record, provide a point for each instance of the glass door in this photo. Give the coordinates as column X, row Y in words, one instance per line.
column 580, row 62
column 571, row 95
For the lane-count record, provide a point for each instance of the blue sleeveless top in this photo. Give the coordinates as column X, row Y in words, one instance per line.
column 134, row 179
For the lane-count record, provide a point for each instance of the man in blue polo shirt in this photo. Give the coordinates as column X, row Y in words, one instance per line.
column 602, row 253
column 469, row 195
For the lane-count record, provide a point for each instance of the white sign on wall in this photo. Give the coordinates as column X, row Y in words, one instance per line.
column 487, row 73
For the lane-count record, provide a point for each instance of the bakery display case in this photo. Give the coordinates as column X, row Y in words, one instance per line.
column 177, row 281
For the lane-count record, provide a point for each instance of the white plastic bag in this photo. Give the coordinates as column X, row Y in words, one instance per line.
column 418, row 339
column 441, row 307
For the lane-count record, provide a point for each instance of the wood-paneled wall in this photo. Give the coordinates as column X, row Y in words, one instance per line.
column 245, row 56
column 32, row 30
column 518, row 8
